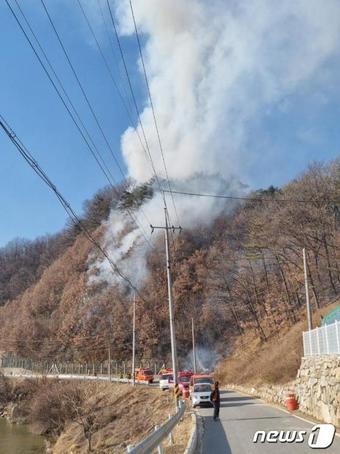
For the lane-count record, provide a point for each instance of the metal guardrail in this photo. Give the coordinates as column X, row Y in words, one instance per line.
column 155, row 439
column 324, row 340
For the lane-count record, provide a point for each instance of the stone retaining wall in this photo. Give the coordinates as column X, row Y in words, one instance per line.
column 318, row 387
column 275, row 394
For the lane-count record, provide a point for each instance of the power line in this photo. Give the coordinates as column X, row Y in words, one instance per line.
column 81, row 85
column 93, row 149
column 31, row 161
column 107, row 66
column 106, row 63
column 147, row 148
column 69, row 61
column 114, row 54
column 152, row 107
column 63, row 88
column 98, row 158
column 230, row 197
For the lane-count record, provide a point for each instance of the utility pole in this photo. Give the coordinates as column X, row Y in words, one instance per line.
column 193, row 344
column 109, row 368
column 133, row 339
column 166, row 229
column 309, row 312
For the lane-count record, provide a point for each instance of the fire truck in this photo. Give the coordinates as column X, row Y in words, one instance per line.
column 144, row 374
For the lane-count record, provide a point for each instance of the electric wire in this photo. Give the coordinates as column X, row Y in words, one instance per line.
column 106, row 63
column 64, row 91
column 57, row 34
column 94, row 151
column 31, row 161
column 80, row 85
column 230, row 197
column 152, row 107
column 116, row 58
column 147, row 148
column 97, row 158
column 107, row 66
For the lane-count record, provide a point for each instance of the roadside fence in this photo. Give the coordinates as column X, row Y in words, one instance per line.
column 113, row 368
column 324, row 340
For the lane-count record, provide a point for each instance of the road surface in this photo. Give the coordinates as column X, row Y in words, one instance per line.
column 241, row 416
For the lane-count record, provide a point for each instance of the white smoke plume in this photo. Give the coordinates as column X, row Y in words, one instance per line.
column 206, row 359
column 214, row 67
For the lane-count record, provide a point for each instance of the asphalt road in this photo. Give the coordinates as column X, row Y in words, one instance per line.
column 241, row 416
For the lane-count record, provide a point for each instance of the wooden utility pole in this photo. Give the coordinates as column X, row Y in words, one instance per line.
column 109, row 368
column 193, row 344
column 309, row 312
column 166, row 229
column 133, row 339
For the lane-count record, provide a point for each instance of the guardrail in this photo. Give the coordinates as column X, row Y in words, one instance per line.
column 324, row 340
column 155, row 439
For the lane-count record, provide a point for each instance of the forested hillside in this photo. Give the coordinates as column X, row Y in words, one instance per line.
column 242, row 272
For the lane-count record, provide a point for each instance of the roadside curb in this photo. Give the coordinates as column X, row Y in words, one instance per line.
column 194, row 443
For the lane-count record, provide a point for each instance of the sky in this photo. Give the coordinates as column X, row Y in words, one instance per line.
column 260, row 111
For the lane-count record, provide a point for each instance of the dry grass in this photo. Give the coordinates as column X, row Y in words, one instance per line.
column 123, row 415
column 275, row 361
column 181, row 435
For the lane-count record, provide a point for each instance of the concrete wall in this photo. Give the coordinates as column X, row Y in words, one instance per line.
column 318, row 387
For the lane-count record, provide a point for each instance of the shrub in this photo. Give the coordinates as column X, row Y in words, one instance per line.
column 54, row 404
column 5, row 390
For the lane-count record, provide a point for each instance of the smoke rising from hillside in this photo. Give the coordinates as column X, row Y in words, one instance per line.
column 214, row 67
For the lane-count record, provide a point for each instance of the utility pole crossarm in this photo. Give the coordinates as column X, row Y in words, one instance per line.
column 166, row 227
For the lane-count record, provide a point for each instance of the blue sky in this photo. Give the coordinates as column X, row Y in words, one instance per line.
column 32, row 108
column 295, row 130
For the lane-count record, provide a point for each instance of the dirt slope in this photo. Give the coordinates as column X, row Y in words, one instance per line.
column 124, row 415
column 255, row 362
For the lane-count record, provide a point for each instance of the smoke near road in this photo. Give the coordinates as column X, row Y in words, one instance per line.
column 206, row 359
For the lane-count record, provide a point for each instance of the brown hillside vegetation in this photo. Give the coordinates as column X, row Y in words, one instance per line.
column 243, row 273
column 119, row 418
column 78, row 416
column 276, row 361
